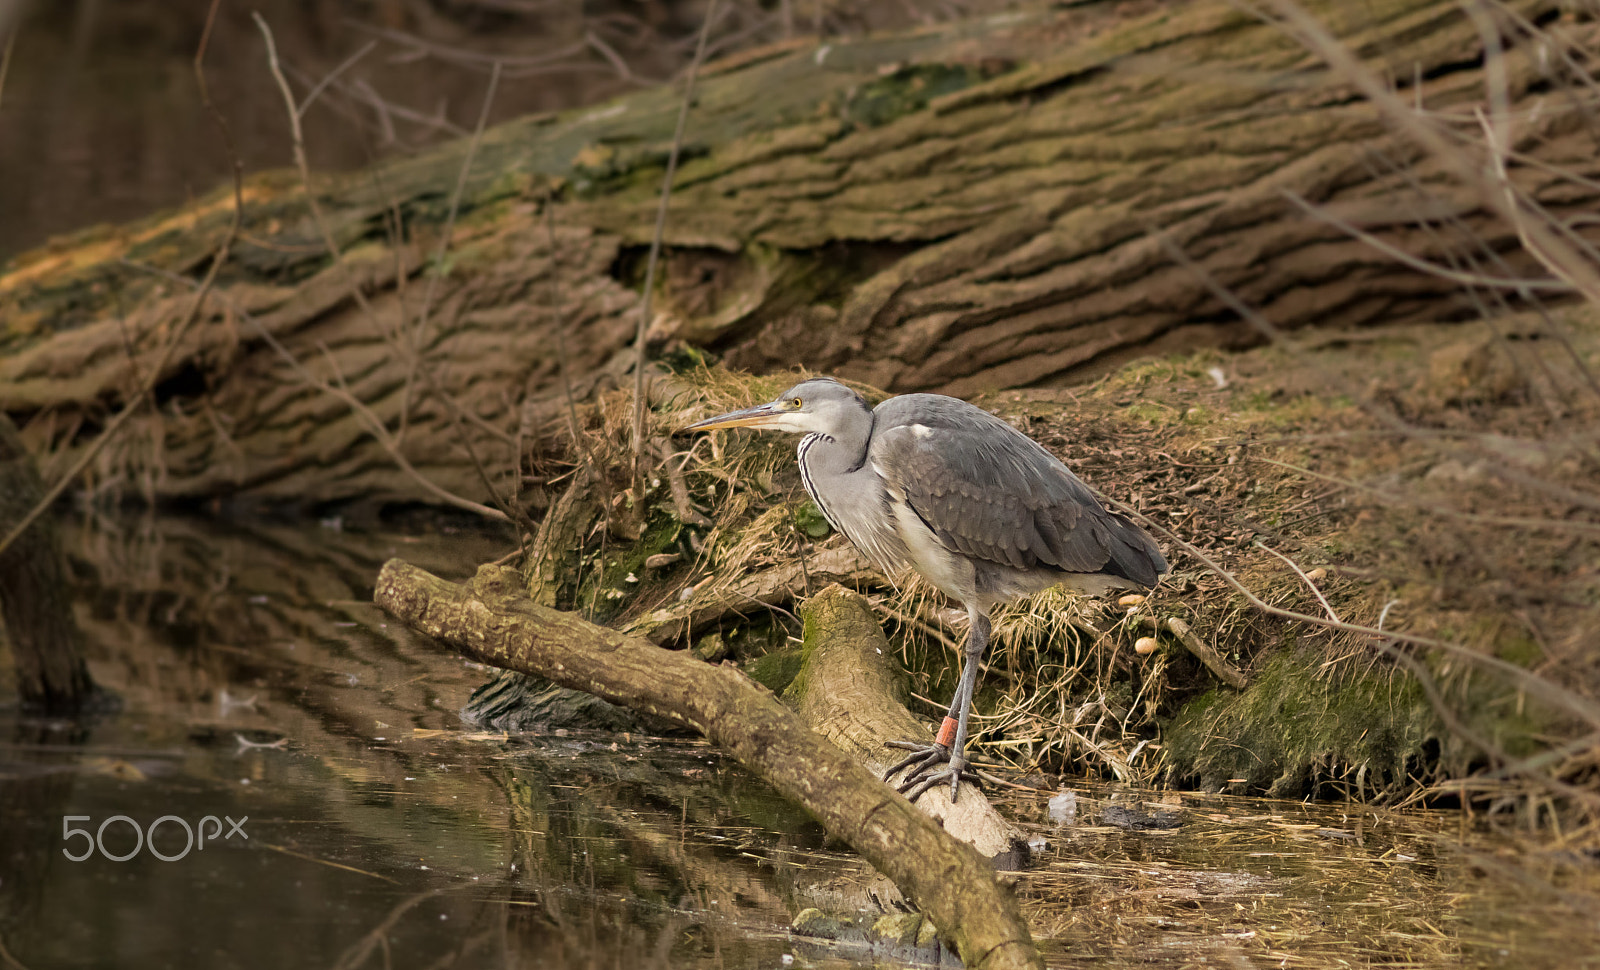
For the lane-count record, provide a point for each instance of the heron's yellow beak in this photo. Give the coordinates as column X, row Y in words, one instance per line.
column 760, row 416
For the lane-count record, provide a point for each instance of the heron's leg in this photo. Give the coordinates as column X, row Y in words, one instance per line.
column 977, row 643
column 950, row 745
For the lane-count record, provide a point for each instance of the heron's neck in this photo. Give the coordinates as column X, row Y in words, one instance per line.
column 833, row 456
column 827, row 464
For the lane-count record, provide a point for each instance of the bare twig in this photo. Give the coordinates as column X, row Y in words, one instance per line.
column 1301, row 573
column 380, row 432
column 437, row 271
column 464, row 57
column 297, row 136
column 1558, row 256
column 1430, row 687
column 1515, row 522
column 1422, row 265
column 562, row 359
column 5, row 55
column 655, row 239
column 332, row 76
column 608, row 52
column 1504, row 470
column 1551, row 693
column 375, row 425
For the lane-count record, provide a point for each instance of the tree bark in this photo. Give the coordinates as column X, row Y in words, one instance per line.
column 495, row 622
column 960, row 209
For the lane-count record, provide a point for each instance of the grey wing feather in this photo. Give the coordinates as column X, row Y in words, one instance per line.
column 990, row 492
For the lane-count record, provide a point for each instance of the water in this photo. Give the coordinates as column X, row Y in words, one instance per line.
column 369, row 827
column 262, row 687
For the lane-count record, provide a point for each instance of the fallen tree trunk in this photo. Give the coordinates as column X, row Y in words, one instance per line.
column 495, row 622
column 969, row 207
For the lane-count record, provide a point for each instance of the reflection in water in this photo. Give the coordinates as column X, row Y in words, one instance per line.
column 262, row 686
column 263, row 689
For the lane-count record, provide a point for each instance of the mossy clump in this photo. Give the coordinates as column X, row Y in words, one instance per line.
column 1295, row 730
column 776, row 670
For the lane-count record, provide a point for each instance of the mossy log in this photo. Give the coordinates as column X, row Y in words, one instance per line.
column 495, row 622
column 35, row 602
column 962, row 208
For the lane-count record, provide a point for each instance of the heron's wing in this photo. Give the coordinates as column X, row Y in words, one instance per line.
column 990, row 492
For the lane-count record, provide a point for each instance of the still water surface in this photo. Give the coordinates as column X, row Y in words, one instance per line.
column 359, row 823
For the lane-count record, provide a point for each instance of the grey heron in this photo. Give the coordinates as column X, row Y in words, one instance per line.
column 981, row 510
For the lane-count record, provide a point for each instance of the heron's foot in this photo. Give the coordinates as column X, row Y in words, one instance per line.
column 929, row 765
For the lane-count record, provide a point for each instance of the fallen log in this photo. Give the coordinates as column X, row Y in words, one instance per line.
column 972, row 206
column 495, row 622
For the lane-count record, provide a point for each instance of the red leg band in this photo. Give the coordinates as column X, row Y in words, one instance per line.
column 947, row 732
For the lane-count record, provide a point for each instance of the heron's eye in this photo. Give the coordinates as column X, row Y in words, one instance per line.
column 796, row 402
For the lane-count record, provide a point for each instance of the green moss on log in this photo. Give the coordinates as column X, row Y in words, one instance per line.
column 1294, row 727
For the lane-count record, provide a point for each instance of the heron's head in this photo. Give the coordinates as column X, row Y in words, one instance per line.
column 821, row 404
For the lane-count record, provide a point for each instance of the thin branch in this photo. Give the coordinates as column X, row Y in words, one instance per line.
column 437, row 270
column 332, row 76
column 1422, row 265
column 462, row 56
column 5, row 58
column 1557, row 256
column 1516, row 522
column 375, row 425
column 562, row 358
column 1550, row 693
column 1272, row 332
column 1301, row 573
column 661, row 228
column 608, row 52
column 297, row 136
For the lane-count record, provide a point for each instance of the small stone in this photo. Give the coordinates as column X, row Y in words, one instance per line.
column 1063, row 807
column 1144, row 646
column 1132, row 599
column 1317, row 575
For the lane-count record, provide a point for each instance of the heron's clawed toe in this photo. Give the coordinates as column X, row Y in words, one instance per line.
column 923, row 769
column 922, row 759
column 914, row 787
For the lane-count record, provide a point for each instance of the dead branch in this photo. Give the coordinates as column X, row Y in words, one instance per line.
column 1203, row 651
column 655, row 239
column 782, row 583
